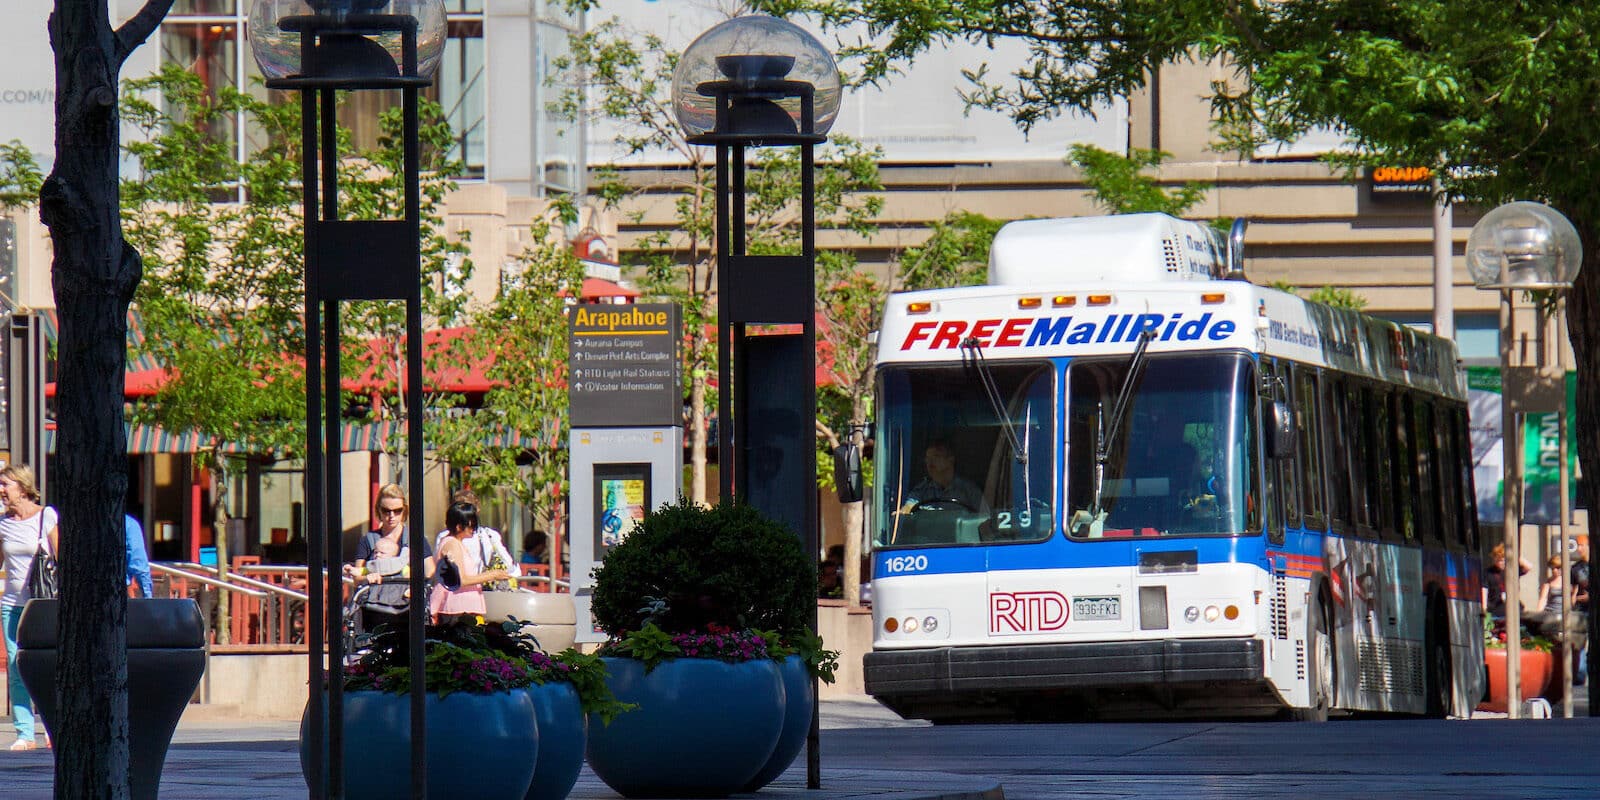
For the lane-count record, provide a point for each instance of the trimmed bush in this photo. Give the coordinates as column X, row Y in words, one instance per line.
column 688, row 568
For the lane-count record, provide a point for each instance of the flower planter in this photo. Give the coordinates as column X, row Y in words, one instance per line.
column 1535, row 669
column 703, row 728
column 462, row 728
column 562, row 736
column 798, row 703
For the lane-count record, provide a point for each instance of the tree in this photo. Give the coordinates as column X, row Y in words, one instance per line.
column 1118, row 183
column 1496, row 96
column 222, row 296
column 518, row 440
column 629, row 82
column 94, row 274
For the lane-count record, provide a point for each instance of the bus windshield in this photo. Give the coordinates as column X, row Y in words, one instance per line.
column 1181, row 462
column 959, row 463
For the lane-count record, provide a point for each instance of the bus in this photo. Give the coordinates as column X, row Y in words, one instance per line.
column 1120, row 480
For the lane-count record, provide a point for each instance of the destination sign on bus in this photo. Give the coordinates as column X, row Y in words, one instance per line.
column 1066, row 329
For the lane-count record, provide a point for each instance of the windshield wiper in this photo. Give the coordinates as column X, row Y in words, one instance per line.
column 1108, row 433
column 971, row 349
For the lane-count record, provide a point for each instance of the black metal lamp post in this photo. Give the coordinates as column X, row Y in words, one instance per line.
column 317, row 47
column 757, row 81
column 1524, row 246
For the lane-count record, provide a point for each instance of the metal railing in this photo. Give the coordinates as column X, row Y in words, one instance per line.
column 266, row 602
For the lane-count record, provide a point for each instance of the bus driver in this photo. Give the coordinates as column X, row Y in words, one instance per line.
column 943, row 484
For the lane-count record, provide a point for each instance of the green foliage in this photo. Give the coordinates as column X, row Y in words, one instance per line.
column 1338, row 297
column 652, row 646
column 521, row 341
column 20, row 177
column 1119, row 184
column 956, row 253
column 628, row 81
column 223, row 293
column 474, row 656
column 687, row 568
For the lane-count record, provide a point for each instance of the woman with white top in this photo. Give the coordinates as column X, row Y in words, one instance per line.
column 26, row 525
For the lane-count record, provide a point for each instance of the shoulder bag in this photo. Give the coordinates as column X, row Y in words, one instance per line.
column 44, row 577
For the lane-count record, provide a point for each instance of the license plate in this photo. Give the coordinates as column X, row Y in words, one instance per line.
column 1090, row 609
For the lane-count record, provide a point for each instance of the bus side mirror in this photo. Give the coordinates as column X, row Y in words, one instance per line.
column 1280, row 430
column 847, row 472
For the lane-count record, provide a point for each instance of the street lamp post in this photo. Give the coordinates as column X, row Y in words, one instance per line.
column 1521, row 246
column 318, row 47
column 757, row 81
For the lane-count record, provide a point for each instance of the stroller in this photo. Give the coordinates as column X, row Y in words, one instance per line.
column 357, row 640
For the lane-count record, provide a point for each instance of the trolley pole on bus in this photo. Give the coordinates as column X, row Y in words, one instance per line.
column 1526, row 247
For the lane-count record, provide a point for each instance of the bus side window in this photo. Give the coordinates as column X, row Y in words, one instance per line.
column 1362, row 464
column 1404, row 466
column 1282, row 510
column 1424, row 455
column 1308, row 424
column 1447, row 479
column 1334, row 425
column 1383, row 456
column 1372, row 512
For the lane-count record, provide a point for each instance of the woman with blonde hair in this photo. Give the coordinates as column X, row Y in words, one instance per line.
column 382, row 556
column 27, row 528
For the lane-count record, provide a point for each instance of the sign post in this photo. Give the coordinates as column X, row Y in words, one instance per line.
column 625, row 400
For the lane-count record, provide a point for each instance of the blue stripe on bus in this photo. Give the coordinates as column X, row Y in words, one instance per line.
column 1061, row 553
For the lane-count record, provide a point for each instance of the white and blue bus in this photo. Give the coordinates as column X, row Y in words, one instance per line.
column 1121, row 480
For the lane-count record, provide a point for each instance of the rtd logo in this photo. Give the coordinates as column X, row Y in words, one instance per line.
column 1027, row 612
column 1052, row 331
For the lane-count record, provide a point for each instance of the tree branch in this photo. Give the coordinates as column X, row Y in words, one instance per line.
column 136, row 30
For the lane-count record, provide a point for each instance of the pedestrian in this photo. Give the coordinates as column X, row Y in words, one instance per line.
column 382, row 559
column 27, row 528
column 138, row 561
column 461, row 573
column 492, row 552
column 1580, row 607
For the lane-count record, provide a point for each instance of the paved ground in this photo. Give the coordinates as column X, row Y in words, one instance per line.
column 869, row 753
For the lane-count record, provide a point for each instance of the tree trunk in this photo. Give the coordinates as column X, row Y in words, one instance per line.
column 697, row 440
column 94, row 275
column 219, row 527
column 1583, row 317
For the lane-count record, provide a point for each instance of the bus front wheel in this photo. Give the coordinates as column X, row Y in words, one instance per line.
column 1320, row 666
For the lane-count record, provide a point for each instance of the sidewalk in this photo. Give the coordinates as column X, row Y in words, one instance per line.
column 259, row 760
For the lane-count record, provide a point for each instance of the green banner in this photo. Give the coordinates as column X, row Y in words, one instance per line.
column 1541, row 471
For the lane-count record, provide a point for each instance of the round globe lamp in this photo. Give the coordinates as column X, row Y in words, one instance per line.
column 772, row 78
column 355, row 44
column 1524, row 245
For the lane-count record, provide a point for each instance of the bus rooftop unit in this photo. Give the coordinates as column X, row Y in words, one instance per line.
column 1122, row 480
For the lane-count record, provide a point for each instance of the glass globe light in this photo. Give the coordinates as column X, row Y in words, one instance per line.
column 754, row 50
column 1524, row 245
column 277, row 46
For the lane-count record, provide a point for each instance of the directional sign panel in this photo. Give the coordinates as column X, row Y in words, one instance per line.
column 624, row 365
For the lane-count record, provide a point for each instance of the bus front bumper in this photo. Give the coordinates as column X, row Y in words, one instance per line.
column 919, row 683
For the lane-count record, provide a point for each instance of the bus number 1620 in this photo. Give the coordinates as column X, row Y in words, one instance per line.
column 905, row 564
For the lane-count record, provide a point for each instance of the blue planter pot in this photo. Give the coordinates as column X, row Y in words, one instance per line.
column 798, row 702
column 703, row 728
column 562, row 735
column 462, row 728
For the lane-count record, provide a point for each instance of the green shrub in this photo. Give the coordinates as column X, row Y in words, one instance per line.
column 692, row 569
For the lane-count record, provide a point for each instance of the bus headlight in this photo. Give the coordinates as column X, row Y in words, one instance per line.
column 1212, row 613
column 910, row 625
column 1191, row 614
